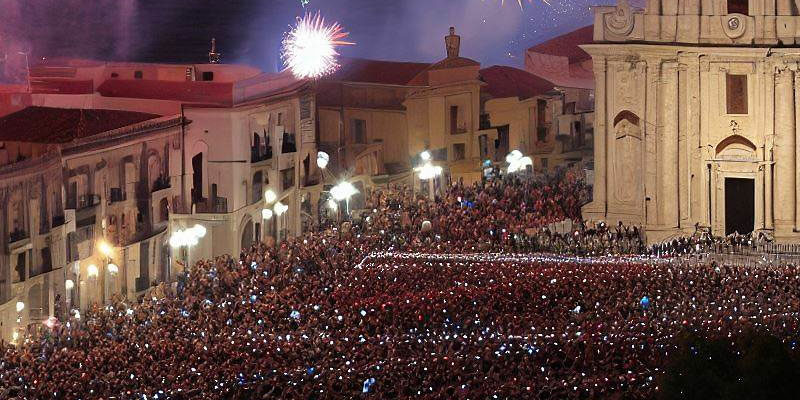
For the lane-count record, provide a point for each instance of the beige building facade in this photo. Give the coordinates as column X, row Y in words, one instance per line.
column 704, row 133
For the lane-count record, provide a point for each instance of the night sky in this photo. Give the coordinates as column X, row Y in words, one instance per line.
column 250, row 31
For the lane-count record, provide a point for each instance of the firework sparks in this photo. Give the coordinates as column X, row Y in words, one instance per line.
column 520, row 2
column 309, row 49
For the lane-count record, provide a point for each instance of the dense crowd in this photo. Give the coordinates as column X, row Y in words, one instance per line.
column 415, row 299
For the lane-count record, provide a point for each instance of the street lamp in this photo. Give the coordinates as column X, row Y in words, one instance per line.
column 343, row 191
column 322, row 159
column 266, row 213
column 187, row 238
column 20, row 306
column 428, row 172
column 270, row 196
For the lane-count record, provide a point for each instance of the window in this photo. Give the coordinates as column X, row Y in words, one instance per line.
column 541, row 111
column 359, row 131
column 577, row 133
column 208, row 76
column 737, row 94
column 137, row 75
column 545, row 164
column 453, row 120
column 114, row 75
column 459, row 151
column 569, row 108
column 739, row 7
column 287, row 179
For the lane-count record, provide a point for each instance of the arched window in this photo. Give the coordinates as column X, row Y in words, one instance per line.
column 258, row 180
column 163, row 210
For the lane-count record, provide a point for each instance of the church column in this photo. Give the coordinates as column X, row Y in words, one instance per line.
column 600, row 138
column 784, row 151
column 796, row 150
column 669, row 149
column 651, row 137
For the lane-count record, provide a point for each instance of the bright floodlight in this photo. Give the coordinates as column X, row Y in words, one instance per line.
column 309, row 49
column 266, row 213
column 92, row 271
column 429, row 171
column 425, row 155
column 514, row 155
column 69, row 284
column 280, row 208
column 516, row 162
column 105, row 248
column 20, row 306
column 199, row 230
column 343, row 191
column 270, row 196
column 322, row 159
column 113, row 268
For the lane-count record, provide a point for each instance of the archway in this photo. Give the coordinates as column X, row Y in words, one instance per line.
column 247, row 234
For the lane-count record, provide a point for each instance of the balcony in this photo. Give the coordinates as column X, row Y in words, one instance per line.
column 218, row 205
column 289, row 144
column 161, row 183
column 17, row 235
column 259, row 154
column 58, row 220
column 82, row 202
column 116, row 195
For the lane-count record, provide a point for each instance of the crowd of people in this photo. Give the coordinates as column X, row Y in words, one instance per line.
column 416, row 299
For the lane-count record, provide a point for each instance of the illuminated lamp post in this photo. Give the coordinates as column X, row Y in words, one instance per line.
column 344, row 191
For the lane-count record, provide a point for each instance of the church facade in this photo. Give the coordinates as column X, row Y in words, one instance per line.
column 697, row 117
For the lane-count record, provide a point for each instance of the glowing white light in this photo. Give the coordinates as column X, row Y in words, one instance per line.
column 309, row 49
column 280, row 208
column 270, row 196
column 425, row 155
column 69, row 284
column 516, row 162
column 15, row 336
column 20, row 306
column 199, row 230
column 343, row 191
column 332, row 204
column 92, row 271
column 266, row 213
column 113, row 268
column 429, row 171
column 105, row 248
column 322, row 159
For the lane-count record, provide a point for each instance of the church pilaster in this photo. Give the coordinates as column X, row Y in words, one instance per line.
column 785, row 156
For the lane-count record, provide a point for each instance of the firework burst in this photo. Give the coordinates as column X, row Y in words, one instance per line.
column 309, row 48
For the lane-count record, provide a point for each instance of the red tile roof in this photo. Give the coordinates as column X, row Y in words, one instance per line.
column 62, row 125
column 503, row 81
column 377, row 71
column 187, row 91
column 567, row 45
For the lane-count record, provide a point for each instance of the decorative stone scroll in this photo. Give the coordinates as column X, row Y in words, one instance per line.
column 621, row 21
column 734, row 25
